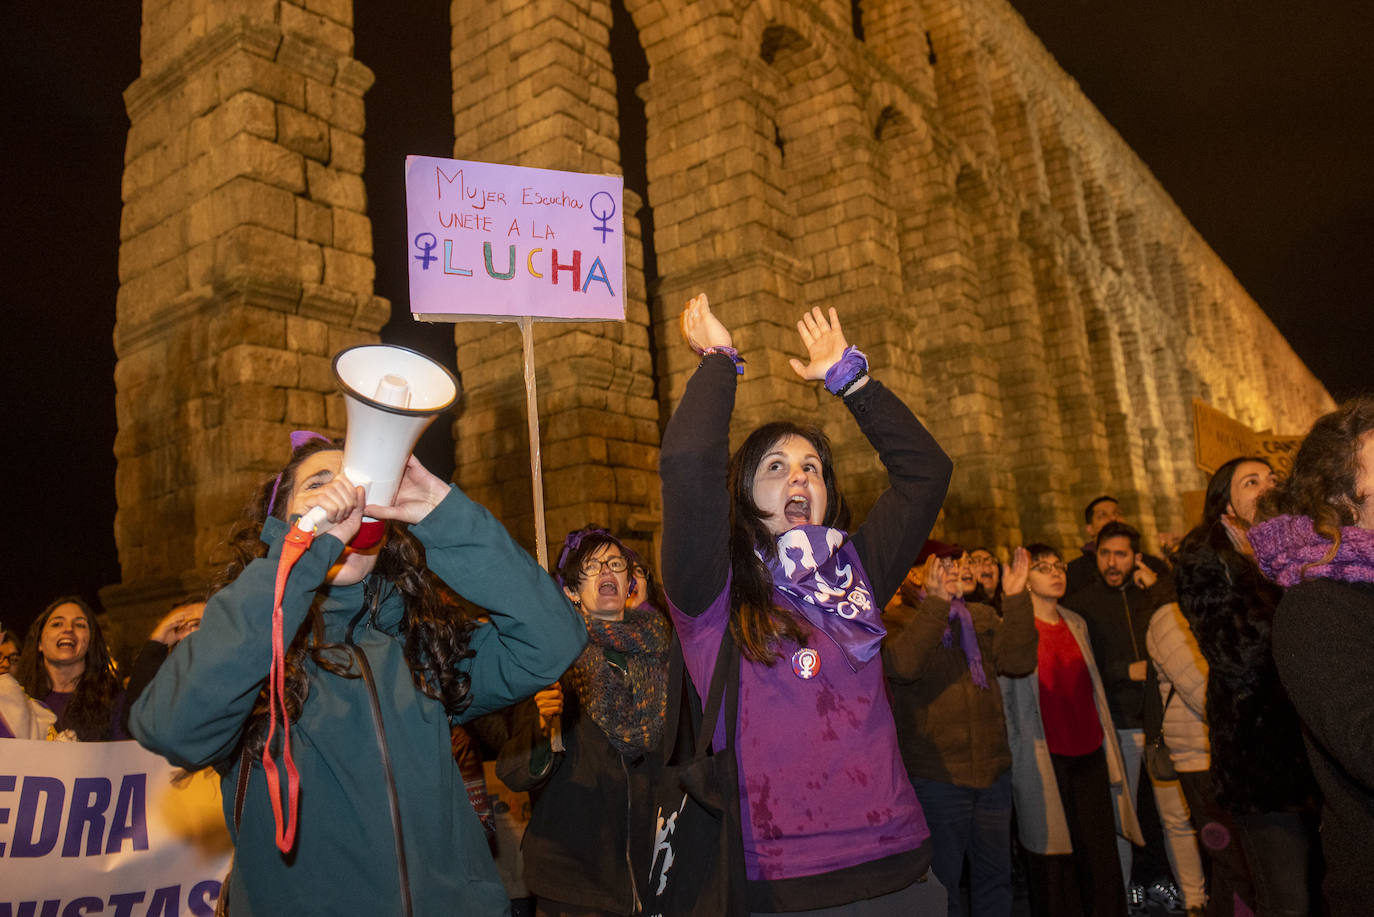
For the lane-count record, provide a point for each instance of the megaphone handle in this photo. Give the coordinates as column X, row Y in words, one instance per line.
column 556, row 734
column 312, row 519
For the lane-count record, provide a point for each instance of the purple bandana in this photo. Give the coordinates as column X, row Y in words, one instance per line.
column 817, row 573
column 1289, row 551
column 968, row 640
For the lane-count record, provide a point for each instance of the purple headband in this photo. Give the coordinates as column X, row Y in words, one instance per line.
column 298, row 438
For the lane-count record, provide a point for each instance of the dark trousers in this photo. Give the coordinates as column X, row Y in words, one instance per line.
column 1228, row 874
column 1087, row 882
column 976, row 822
column 1280, row 848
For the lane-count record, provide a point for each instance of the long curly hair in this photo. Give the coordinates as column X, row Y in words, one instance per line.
column 1322, row 484
column 91, row 713
column 1258, row 759
column 756, row 622
column 435, row 629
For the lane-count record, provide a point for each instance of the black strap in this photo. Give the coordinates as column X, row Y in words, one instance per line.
column 698, row 727
column 241, row 790
column 724, row 689
column 392, row 798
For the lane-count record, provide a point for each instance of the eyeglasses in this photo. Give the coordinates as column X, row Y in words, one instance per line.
column 1045, row 566
column 591, row 566
column 12, row 660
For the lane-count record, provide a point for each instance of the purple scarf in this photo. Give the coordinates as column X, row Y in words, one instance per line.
column 1289, row 551
column 817, row 573
column 968, row 639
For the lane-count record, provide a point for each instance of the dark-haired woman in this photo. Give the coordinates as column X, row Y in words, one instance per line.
column 67, row 667
column 1068, row 776
column 384, row 822
column 1259, row 779
column 752, row 544
column 1318, row 543
column 611, row 704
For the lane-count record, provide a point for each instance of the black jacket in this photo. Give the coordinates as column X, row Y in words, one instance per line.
column 577, row 846
column 1324, row 649
column 1117, row 622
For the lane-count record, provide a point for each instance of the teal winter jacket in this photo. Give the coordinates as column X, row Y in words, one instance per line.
column 344, row 861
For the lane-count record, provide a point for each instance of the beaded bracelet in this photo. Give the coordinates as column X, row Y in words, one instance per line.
column 848, row 369
column 730, row 352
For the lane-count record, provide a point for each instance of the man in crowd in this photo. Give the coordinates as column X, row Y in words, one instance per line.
column 1083, row 569
column 1117, row 604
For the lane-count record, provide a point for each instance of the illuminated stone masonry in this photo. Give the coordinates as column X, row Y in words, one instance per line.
column 1010, row 266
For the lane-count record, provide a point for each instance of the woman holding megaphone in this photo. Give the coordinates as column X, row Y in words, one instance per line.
column 377, row 665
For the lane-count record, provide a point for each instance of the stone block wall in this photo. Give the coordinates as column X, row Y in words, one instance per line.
column 1012, row 269
column 245, row 263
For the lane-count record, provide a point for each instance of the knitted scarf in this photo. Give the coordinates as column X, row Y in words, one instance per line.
column 968, row 639
column 1289, row 551
column 628, row 704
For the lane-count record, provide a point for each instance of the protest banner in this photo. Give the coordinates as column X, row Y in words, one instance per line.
column 107, row 828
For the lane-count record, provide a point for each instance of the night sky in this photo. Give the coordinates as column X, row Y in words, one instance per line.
column 1257, row 117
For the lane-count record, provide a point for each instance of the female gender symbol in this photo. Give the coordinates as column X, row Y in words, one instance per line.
column 603, row 217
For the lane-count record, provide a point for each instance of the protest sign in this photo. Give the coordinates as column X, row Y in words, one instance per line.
column 499, row 242
column 107, row 828
column 1218, row 439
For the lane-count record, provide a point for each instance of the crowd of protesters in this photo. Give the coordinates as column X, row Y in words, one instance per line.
column 1102, row 732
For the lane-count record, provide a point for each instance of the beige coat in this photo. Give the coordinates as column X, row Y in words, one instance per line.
column 25, row 717
column 1040, row 821
column 1180, row 664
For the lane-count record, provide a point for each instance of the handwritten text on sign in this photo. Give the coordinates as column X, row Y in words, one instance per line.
column 497, row 241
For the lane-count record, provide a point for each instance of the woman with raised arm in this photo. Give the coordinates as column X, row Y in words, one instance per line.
column 378, row 664
column 751, row 546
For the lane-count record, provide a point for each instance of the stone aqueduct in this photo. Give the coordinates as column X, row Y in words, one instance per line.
column 1011, row 267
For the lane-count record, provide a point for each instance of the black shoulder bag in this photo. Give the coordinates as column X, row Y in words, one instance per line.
column 695, row 852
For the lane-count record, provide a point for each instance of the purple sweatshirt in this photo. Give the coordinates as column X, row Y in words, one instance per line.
column 828, row 813
column 822, row 786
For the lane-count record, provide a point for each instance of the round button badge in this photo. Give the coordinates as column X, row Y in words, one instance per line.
column 806, row 662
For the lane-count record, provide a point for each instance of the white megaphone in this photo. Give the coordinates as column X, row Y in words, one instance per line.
column 391, row 395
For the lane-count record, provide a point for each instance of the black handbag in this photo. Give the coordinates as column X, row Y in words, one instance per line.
column 1159, row 763
column 693, row 857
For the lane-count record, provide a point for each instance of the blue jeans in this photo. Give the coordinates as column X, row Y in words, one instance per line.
column 976, row 822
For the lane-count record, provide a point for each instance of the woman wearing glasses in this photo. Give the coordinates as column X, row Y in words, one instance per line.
column 1066, row 764
column 611, row 704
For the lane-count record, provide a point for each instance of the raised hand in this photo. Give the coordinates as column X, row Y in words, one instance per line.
column 342, row 501
column 824, row 342
column 1014, row 574
column 1144, row 577
column 700, row 327
column 419, row 492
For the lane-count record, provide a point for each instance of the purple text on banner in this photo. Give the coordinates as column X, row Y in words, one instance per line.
column 488, row 241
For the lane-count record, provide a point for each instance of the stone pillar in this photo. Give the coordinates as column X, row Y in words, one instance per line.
column 245, row 263
column 533, row 86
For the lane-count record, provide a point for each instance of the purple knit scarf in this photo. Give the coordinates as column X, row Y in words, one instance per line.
column 1289, row 551
column 968, row 639
column 817, row 573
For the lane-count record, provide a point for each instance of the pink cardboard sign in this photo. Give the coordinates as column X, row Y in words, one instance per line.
column 497, row 242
